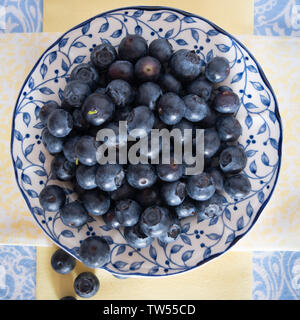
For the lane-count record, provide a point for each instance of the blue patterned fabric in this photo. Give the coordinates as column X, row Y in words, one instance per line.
column 17, row 272
column 277, row 17
column 276, row 275
column 21, row 16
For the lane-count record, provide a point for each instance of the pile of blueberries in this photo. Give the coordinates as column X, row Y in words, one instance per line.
column 151, row 87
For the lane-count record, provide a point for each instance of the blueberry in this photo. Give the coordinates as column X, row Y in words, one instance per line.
column 229, row 128
column 85, row 72
column 127, row 212
column 79, row 122
column 136, row 238
column 86, row 149
column 110, row 219
column 196, row 109
column 62, row 262
column 237, row 186
column 148, row 197
column 121, row 69
column 201, row 87
column 172, row 234
column 103, row 56
column 173, row 193
column 148, row 95
column 52, row 198
column 86, row 176
column 75, row 93
column 226, row 102
column 123, row 192
column 86, row 285
column 151, row 152
column 96, row 202
column 62, row 169
column 217, row 177
column 147, row 69
column 169, row 83
column 217, row 70
column 46, row 110
column 200, row 187
column 68, row 298
column 98, row 109
column 211, row 142
column 161, row 49
column 141, row 176
column 116, row 141
column 185, row 65
column 73, row 214
column 211, row 208
column 141, row 120
column 155, row 220
column 109, row 177
column 184, row 125
column 53, row 144
column 186, row 209
column 120, row 91
column 94, row 252
column 101, row 90
column 171, row 108
column 233, row 159
column 169, row 172
column 60, row 123
column 209, row 121
column 132, row 47
column 69, row 148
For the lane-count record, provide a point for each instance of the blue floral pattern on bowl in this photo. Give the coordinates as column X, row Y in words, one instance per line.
column 200, row 241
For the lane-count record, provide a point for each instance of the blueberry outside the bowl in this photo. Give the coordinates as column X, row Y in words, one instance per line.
column 86, row 285
column 62, row 262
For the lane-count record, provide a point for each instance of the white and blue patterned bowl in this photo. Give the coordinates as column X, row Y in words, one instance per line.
column 200, row 241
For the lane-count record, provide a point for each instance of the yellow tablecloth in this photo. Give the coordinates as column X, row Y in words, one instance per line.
column 228, row 277
column 235, row 16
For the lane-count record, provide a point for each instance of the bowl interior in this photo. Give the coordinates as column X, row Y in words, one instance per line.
column 200, row 241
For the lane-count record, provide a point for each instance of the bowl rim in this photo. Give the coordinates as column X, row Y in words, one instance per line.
column 219, row 29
